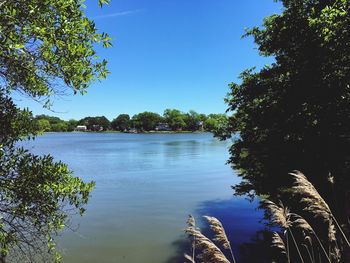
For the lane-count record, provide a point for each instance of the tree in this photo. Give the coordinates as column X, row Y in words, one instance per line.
column 103, row 122
column 96, row 123
column 55, row 123
column 44, row 42
column 59, row 127
column 215, row 122
column 146, row 121
column 35, row 191
column 72, row 124
column 294, row 113
column 43, row 125
column 193, row 119
column 175, row 119
column 121, row 123
column 87, row 121
column 47, row 48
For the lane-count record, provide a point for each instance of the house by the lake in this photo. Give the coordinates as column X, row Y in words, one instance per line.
column 81, row 128
column 96, row 127
column 200, row 125
column 163, row 127
column 132, row 130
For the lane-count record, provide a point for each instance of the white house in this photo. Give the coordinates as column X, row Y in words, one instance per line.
column 81, row 128
column 162, row 127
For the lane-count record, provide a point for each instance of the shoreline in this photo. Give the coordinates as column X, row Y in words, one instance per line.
column 146, row 132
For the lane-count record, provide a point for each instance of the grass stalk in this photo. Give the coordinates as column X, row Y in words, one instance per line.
column 319, row 255
column 233, row 257
column 303, row 224
column 296, row 245
column 194, row 249
column 308, row 252
column 287, row 241
column 312, row 249
column 322, row 247
column 341, row 231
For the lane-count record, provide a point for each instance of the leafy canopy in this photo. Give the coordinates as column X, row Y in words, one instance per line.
column 121, row 123
column 146, row 120
column 294, row 113
column 175, row 118
column 47, row 46
column 36, row 192
column 46, row 49
column 95, row 123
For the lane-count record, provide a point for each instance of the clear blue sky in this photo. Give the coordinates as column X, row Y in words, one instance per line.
column 167, row 54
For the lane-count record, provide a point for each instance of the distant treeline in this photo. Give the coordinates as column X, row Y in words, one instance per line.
column 171, row 120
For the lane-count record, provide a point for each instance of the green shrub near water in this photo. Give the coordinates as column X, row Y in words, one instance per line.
column 295, row 112
column 47, row 48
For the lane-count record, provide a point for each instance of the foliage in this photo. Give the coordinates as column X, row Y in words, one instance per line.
column 215, row 121
column 55, row 124
column 193, row 120
column 294, row 114
column 95, row 123
column 60, row 127
column 47, row 46
column 36, row 191
column 15, row 124
column 146, row 120
column 46, row 49
column 48, row 123
column 121, row 123
column 43, row 125
column 175, row 119
column 72, row 124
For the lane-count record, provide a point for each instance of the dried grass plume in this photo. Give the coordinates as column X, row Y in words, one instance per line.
column 208, row 251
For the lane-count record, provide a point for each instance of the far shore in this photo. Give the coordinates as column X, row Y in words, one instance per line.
column 144, row 132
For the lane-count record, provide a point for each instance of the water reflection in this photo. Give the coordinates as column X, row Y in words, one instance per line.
column 248, row 236
column 146, row 185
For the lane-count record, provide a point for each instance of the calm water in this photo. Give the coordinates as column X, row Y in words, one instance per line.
column 146, row 185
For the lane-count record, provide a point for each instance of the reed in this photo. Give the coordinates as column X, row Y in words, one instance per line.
column 281, row 216
column 220, row 234
column 302, row 224
column 314, row 203
column 318, row 208
column 191, row 223
column 190, row 258
column 311, row 202
column 277, row 242
column 208, row 251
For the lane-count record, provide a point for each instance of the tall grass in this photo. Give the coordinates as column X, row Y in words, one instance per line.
column 207, row 250
column 309, row 248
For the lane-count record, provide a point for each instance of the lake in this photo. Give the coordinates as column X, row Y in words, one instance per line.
column 146, row 185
